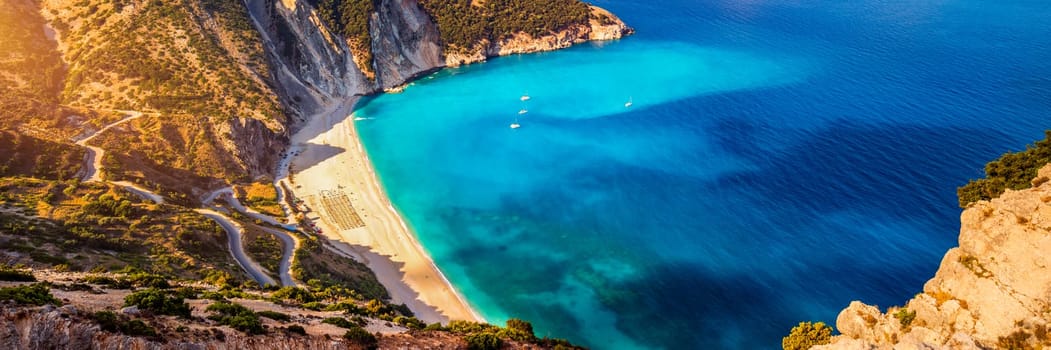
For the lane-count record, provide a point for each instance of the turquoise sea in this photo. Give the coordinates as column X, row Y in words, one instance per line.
column 780, row 159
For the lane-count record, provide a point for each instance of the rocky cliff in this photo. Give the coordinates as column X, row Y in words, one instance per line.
column 603, row 25
column 993, row 291
column 316, row 66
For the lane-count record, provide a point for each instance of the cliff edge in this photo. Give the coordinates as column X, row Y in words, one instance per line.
column 993, row 291
column 601, row 25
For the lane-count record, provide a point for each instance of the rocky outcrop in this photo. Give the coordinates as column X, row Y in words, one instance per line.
column 993, row 291
column 602, row 26
column 254, row 147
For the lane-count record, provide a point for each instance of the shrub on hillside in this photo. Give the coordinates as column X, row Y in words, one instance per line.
column 148, row 280
column 33, row 294
column 520, row 325
column 236, row 316
column 806, row 335
column 110, row 282
column 110, row 321
column 299, row 295
column 158, row 302
column 339, row 322
column 467, row 327
column 518, row 330
column 8, row 273
column 409, row 322
column 905, row 317
column 296, row 329
column 1011, row 170
column 361, row 337
column 483, row 341
column 274, row 315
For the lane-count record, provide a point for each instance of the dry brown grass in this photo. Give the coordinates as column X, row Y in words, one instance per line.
column 261, row 196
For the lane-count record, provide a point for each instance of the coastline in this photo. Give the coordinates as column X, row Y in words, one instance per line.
column 332, row 173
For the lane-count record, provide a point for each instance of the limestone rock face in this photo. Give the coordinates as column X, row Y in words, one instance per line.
column 315, row 66
column 405, row 42
column 993, row 291
column 605, row 26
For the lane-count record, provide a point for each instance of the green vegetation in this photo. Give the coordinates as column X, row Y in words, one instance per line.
column 340, row 322
column 236, row 316
column 158, row 302
column 462, row 24
column 295, row 294
column 481, row 335
column 274, row 315
column 409, row 322
column 333, row 277
column 32, row 294
column 264, row 248
column 806, row 335
column 109, row 321
column 1012, row 170
column 361, row 337
column 518, row 330
column 483, row 341
column 104, row 228
column 905, row 317
column 296, row 329
column 350, row 18
column 8, row 273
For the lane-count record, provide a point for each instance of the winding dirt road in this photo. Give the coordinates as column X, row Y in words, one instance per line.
column 93, row 173
column 289, row 245
column 234, row 232
column 288, row 249
column 93, row 160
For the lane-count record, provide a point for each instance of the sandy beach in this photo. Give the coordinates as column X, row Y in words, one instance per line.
column 331, row 172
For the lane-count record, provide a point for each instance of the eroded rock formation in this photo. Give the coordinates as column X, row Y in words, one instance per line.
column 993, row 291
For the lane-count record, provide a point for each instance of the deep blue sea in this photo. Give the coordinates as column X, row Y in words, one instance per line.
column 781, row 159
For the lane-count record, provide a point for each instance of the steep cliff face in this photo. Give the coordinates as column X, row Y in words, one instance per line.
column 602, row 26
column 405, row 42
column 993, row 291
column 314, row 66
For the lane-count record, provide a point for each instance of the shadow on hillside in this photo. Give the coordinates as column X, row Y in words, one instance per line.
column 385, row 268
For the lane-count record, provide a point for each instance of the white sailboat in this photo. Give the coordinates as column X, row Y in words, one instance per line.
column 515, row 125
column 626, row 105
column 523, row 111
column 525, row 97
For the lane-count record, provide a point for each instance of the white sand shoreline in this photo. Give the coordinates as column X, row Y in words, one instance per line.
column 328, row 159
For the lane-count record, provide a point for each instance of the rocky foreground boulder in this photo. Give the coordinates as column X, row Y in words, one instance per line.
column 991, row 292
